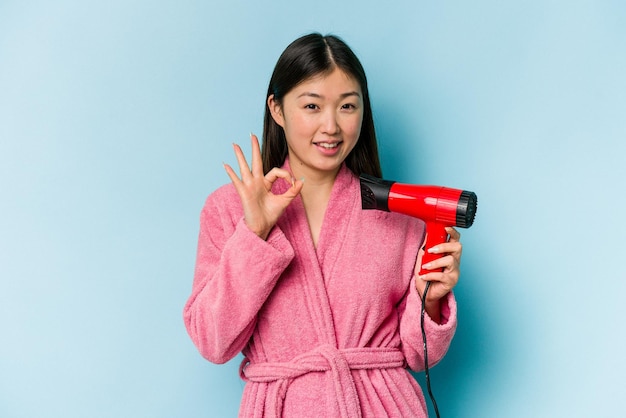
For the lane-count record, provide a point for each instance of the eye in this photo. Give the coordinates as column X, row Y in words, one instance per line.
column 311, row 106
column 348, row 106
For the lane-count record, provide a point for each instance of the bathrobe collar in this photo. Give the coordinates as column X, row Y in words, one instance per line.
column 317, row 265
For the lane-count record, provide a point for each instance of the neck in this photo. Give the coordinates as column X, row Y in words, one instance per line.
column 317, row 190
column 317, row 187
column 315, row 195
column 315, row 181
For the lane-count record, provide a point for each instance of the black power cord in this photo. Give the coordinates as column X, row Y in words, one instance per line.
column 426, row 370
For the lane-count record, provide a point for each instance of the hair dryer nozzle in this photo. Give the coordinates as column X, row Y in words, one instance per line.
column 466, row 209
column 375, row 192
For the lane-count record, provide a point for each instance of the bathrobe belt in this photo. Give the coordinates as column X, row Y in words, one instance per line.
column 326, row 358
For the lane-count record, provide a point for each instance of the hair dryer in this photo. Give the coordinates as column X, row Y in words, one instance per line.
column 438, row 206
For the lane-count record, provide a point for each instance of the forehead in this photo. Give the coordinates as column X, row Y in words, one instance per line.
column 337, row 82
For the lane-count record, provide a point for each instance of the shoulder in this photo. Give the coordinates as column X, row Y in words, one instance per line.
column 225, row 193
column 395, row 223
column 224, row 202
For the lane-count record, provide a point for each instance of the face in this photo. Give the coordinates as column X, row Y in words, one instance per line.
column 322, row 120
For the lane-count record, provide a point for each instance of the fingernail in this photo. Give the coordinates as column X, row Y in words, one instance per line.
column 426, row 266
column 433, row 250
column 302, row 179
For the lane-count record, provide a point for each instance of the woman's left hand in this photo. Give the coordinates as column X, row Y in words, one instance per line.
column 442, row 282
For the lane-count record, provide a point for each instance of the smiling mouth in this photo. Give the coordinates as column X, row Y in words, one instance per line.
column 327, row 145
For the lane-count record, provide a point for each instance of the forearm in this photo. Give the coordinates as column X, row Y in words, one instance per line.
column 230, row 287
column 439, row 325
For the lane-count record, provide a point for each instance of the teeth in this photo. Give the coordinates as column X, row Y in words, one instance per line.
column 327, row 145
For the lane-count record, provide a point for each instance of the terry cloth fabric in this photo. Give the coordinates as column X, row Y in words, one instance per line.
column 326, row 331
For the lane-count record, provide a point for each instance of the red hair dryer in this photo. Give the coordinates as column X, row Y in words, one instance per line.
column 438, row 206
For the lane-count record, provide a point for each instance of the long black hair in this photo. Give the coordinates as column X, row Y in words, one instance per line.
column 307, row 57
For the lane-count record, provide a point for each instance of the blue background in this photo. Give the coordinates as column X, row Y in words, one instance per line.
column 115, row 118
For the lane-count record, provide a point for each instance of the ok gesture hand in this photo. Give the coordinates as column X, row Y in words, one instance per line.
column 261, row 207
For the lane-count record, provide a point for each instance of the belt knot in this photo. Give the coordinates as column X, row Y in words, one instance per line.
column 325, row 358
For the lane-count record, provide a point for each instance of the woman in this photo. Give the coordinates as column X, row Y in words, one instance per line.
column 322, row 298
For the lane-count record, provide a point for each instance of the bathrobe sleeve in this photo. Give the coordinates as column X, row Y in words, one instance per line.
column 439, row 336
column 235, row 273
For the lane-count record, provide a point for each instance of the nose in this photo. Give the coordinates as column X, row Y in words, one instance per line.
column 330, row 123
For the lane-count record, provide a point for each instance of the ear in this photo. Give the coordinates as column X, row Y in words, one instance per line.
column 276, row 111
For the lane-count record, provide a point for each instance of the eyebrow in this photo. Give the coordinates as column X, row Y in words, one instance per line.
column 319, row 96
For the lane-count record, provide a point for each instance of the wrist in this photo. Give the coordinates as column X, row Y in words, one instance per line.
column 432, row 305
column 259, row 230
column 433, row 309
column 262, row 233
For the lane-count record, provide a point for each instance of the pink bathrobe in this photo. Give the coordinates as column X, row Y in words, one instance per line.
column 326, row 332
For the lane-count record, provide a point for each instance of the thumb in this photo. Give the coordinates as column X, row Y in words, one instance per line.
column 294, row 190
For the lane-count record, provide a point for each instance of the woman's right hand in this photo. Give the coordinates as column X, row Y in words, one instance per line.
column 261, row 207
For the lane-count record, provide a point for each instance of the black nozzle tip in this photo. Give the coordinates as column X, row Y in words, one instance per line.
column 466, row 209
column 375, row 192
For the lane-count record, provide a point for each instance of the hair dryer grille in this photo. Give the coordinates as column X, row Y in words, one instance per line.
column 466, row 209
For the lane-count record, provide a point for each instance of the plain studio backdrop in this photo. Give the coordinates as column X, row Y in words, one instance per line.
column 116, row 116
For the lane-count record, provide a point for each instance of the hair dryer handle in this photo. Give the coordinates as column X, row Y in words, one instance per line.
column 435, row 235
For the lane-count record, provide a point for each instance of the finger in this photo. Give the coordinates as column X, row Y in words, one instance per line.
column 438, row 288
column 276, row 173
column 447, row 263
column 294, row 190
column 233, row 176
column 445, row 278
column 454, row 234
column 243, row 164
column 434, row 277
column 257, row 160
column 296, row 185
column 447, row 247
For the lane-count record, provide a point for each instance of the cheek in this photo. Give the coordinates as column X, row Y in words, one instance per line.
column 353, row 127
column 296, row 125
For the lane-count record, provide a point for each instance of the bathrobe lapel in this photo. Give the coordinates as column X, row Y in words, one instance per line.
column 343, row 202
column 315, row 266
